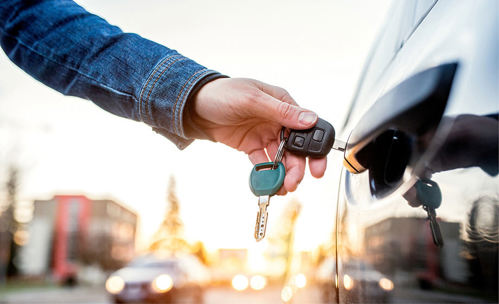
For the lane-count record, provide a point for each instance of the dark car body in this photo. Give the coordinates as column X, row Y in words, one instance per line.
column 423, row 131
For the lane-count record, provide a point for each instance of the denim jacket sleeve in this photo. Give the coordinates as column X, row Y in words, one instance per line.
column 80, row 54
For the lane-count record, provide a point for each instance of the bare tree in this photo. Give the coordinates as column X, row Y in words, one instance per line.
column 169, row 237
column 199, row 250
column 9, row 225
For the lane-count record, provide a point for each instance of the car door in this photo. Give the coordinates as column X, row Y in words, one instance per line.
column 423, row 132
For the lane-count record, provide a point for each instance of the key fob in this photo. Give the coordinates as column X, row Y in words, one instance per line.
column 315, row 142
column 428, row 193
column 266, row 181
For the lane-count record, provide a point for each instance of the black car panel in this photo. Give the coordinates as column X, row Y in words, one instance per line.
column 382, row 231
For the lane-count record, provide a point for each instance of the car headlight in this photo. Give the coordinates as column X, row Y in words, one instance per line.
column 162, row 283
column 347, row 282
column 240, row 282
column 258, row 282
column 115, row 284
column 386, row 284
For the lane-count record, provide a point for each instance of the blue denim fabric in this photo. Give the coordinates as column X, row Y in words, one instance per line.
column 80, row 54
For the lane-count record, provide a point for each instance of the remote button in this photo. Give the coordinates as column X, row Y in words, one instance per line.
column 299, row 141
column 315, row 142
column 314, row 146
column 318, row 135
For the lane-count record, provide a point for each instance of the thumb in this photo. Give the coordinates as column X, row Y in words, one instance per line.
column 286, row 114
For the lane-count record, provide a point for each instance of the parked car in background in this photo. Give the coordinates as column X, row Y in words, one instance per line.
column 419, row 200
column 360, row 278
column 325, row 278
column 159, row 280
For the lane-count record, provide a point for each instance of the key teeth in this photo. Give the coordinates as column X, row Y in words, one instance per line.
column 257, row 225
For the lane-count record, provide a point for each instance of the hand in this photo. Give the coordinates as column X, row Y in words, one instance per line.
column 247, row 115
column 471, row 142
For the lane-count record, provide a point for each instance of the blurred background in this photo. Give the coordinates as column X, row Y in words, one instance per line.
column 76, row 204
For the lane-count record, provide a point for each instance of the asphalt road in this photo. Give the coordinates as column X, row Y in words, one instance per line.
column 84, row 295
column 221, row 295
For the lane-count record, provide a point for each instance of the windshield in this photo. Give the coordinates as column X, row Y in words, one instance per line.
column 152, row 264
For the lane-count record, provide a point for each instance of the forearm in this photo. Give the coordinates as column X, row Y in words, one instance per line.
column 80, row 54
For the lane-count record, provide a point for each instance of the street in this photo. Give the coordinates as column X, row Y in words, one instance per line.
column 219, row 295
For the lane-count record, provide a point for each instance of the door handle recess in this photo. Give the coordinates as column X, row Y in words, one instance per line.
column 412, row 107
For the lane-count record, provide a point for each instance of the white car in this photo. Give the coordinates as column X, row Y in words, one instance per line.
column 161, row 280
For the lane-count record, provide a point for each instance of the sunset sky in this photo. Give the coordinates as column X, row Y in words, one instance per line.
column 65, row 145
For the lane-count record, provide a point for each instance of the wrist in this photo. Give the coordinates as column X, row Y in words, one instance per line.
column 191, row 120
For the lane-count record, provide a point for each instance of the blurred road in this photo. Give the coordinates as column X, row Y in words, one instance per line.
column 221, row 295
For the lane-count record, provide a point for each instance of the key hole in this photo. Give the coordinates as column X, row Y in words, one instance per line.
column 264, row 168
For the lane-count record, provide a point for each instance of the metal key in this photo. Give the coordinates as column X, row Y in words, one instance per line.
column 261, row 217
column 265, row 180
column 429, row 194
column 315, row 142
column 434, row 226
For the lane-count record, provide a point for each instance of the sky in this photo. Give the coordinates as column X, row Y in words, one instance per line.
column 65, row 145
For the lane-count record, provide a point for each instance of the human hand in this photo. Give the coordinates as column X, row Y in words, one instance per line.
column 471, row 142
column 247, row 115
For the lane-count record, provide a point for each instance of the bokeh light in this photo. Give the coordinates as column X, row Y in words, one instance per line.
column 240, row 282
column 286, row 294
column 300, row 280
column 115, row 284
column 347, row 282
column 258, row 282
column 162, row 283
column 386, row 284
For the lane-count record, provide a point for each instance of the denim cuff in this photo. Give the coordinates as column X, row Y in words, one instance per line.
column 164, row 94
column 180, row 142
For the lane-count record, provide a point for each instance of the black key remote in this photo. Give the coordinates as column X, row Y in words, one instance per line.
column 315, row 142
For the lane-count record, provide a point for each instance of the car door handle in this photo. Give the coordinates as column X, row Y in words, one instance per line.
column 412, row 107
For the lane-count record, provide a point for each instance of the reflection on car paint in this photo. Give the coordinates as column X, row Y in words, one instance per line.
column 381, row 222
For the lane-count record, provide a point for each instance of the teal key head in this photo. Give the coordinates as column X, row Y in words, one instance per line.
column 429, row 193
column 266, row 181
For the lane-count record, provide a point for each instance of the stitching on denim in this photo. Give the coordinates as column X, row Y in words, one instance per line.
column 177, row 107
column 182, row 93
column 144, row 88
column 147, row 82
column 146, row 101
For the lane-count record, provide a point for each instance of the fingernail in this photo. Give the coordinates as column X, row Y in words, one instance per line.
column 307, row 118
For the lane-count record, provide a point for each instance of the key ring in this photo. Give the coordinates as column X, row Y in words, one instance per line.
column 283, row 130
column 280, row 150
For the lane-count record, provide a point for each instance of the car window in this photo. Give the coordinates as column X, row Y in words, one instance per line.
column 153, row 264
column 170, row 265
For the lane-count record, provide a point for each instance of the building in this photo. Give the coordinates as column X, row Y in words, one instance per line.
column 391, row 251
column 69, row 231
column 229, row 262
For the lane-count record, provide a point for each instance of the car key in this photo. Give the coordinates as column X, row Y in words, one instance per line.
column 315, row 142
column 265, row 180
column 429, row 194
